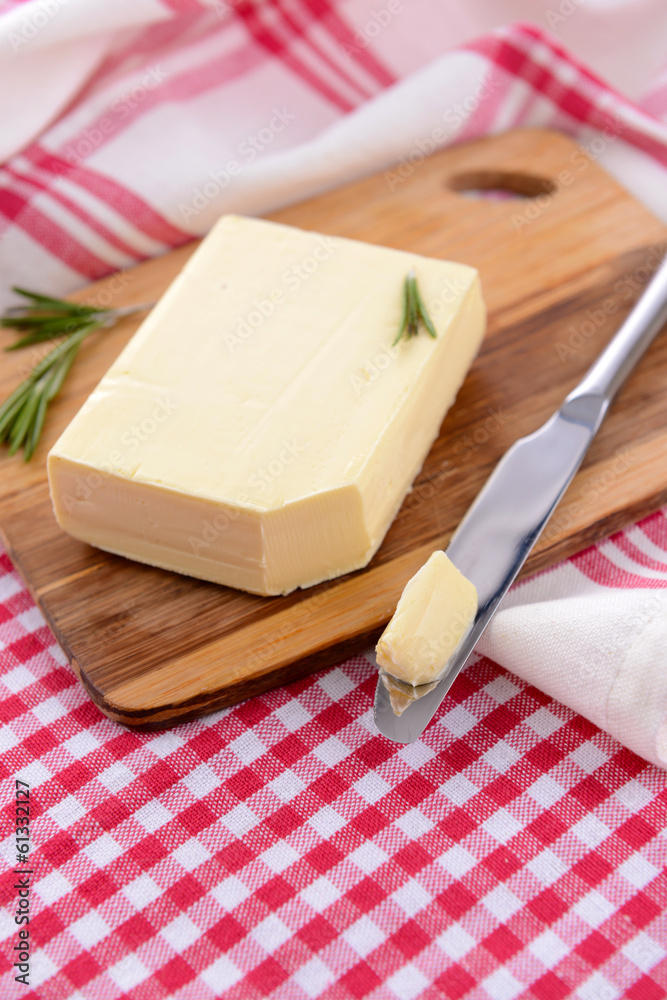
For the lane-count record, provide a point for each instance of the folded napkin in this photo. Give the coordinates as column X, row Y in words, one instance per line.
column 130, row 126
column 592, row 632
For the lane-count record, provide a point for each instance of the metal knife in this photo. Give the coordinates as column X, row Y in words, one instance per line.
column 496, row 535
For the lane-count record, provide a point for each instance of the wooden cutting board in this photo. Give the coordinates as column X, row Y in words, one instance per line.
column 560, row 264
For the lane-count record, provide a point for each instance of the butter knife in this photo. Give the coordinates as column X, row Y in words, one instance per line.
column 501, row 527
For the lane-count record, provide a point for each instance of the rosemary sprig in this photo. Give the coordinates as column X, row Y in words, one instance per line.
column 45, row 318
column 414, row 310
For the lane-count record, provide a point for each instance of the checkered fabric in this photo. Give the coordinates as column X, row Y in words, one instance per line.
column 283, row 848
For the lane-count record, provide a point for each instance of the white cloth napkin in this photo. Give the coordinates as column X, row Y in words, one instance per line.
column 598, row 648
column 120, row 120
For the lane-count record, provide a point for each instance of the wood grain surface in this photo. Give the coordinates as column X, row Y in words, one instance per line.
column 561, row 264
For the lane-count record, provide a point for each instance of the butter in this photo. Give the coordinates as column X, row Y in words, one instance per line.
column 260, row 430
column 435, row 611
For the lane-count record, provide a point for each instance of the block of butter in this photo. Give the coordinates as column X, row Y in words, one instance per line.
column 435, row 611
column 260, row 430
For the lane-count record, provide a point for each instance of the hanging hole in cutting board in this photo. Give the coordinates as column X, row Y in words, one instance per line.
column 497, row 185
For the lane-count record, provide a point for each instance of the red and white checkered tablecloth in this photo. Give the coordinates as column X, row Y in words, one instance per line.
column 283, row 848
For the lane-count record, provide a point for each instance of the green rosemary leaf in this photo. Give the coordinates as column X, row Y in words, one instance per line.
column 413, row 315
column 44, row 318
column 27, row 341
column 40, row 320
column 47, row 302
column 22, row 424
column 10, row 410
column 414, row 311
column 61, row 372
column 23, row 413
column 423, row 313
column 404, row 315
column 17, row 322
column 36, row 429
column 51, row 379
column 48, row 331
column 31, row 319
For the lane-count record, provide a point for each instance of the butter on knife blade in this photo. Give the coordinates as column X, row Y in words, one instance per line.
column 434, row 613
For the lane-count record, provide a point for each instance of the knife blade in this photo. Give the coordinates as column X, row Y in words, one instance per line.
column 503, row 524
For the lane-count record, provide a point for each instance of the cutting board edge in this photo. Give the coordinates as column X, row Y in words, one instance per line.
column 180, row 712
